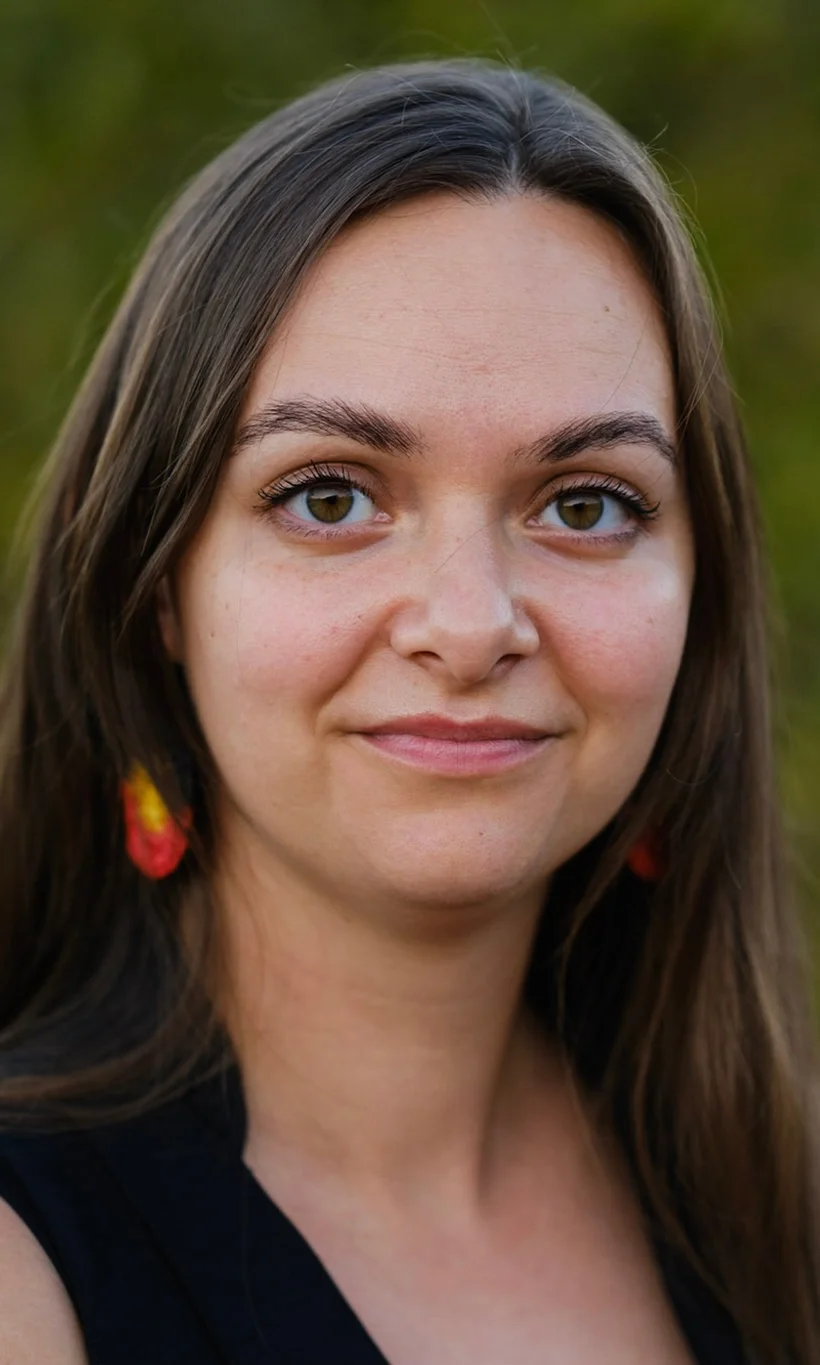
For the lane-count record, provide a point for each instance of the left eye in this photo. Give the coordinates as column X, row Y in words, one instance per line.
column 330, row 503
column 586, row 509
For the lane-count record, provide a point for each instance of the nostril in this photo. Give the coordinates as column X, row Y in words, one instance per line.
column 505, row 663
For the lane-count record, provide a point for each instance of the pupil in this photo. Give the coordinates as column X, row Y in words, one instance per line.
column 330, row 503
column 580, row 511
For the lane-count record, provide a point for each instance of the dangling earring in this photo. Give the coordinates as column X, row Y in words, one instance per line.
column 646, row 858
column 155, row 840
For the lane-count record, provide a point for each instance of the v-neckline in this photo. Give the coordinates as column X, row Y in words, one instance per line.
column 262, row 1293
column 259, row 1286
column 227, row 1110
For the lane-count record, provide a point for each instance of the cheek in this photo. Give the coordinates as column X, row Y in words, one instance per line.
column 617, row 650
column 269, row 639
column 620, row 641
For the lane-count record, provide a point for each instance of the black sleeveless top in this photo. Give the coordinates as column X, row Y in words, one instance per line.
column 173, row 1254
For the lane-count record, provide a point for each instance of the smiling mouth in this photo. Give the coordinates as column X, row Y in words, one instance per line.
column 457, row 749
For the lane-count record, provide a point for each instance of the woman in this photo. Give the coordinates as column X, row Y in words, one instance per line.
column 401, row 544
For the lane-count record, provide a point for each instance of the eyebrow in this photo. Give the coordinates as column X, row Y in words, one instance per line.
column 369, row 427
column 598, row 432
column 330, row 417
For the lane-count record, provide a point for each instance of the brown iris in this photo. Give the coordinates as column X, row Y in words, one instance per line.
column 581, row 510
column 330, row 502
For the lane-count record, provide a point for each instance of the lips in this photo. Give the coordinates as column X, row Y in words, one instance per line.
column 443, row 727
column 452, row 748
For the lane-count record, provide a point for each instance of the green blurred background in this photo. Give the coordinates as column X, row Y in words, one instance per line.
column 108, row 105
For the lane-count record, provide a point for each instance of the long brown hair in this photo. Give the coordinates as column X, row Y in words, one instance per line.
column 684, row 1007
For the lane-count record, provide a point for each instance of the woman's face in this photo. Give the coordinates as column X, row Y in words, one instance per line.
column 453, row 503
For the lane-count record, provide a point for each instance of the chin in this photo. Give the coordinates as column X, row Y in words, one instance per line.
column 442, row 895
column 459, row 870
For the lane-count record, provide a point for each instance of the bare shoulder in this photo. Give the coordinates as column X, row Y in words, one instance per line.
column 38, row 1325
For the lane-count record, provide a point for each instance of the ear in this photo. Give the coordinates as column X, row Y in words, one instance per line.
column 168, row 619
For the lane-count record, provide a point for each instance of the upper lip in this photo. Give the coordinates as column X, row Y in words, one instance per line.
column 430, row 726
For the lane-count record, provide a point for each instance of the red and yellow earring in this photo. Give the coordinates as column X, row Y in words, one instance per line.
column 646, row 858
column 155, row 839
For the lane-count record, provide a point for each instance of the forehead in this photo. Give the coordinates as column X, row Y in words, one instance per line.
column 517, row 309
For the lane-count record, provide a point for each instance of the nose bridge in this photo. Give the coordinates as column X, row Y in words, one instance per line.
column 468, row 569
column 464, row 611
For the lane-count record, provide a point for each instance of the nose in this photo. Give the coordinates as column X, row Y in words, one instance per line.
column 463, row 620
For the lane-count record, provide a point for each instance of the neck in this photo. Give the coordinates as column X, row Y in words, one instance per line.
column 388, row 1047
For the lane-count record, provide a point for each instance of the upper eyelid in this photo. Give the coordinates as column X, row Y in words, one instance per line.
column 325, row 472
column 279, row 490
column 320, row 471
column 606, row 483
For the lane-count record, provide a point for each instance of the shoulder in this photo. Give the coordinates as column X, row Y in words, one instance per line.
column 38, row 1325
column 44, row 1186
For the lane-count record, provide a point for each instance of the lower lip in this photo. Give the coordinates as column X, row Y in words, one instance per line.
column 457, row 757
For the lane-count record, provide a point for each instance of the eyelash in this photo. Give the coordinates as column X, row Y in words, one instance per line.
column 317, row 474
column 310, row 477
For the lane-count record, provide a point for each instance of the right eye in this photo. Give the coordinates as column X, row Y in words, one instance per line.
column 329, row 503
column 320, row 500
